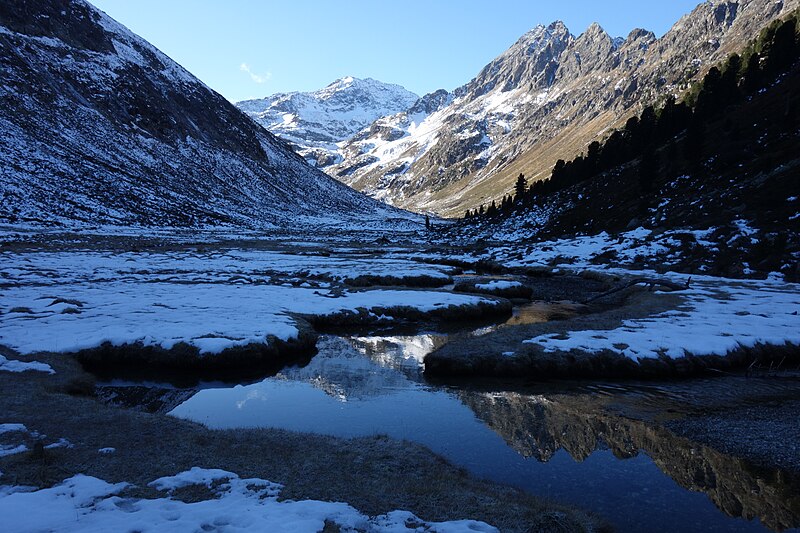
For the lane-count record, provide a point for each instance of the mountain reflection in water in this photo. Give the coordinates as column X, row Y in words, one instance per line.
column 561, row 441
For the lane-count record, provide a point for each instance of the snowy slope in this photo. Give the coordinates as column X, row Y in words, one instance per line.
column 99, row 127
column 405, row 157
column 545, row 98
column 314, row 122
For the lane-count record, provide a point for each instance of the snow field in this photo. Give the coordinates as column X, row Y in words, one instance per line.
column 67, row 302
column 211, row 317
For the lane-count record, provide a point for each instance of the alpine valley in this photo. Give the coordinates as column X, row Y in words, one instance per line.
column 545, row 98
column 248, row 317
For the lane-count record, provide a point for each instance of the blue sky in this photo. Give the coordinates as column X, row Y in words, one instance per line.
column 253, row 48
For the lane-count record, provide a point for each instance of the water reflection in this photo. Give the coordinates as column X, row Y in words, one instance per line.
column 403, row 353
column 565, row 445
column 538, row 427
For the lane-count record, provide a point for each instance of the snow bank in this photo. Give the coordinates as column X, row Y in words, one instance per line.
column 84, row 503
column 715, row 320
column 209, row 316
column 498, row 285
column 21, row 366
column 72, row 301
column 8, row 428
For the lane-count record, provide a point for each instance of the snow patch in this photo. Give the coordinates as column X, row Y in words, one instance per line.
column 7, row 365
column 714, row 319
column 498, row 285
column 85, row 503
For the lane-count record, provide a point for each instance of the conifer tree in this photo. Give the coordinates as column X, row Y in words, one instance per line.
column 752, row 74
column 520, row 187
column 648, row 168
column 729, row 86
column 592, row 159
column 709, row 100
column 781, row 50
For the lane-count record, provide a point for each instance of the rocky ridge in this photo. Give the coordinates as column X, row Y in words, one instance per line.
column 543, row 99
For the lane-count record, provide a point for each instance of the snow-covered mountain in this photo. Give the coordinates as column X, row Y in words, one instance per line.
column 99, row 127
column 545, row 98
column 315, row 121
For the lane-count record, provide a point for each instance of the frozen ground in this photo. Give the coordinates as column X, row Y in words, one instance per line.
column 70, row 301
column 726, row 249
column 229, row 266
column 64, row 298
column 215, row 298
column 714, row 318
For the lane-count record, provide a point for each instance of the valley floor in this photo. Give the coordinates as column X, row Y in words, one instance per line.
column 167, row 306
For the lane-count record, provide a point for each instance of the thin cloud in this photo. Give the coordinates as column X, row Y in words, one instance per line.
column 258, row 78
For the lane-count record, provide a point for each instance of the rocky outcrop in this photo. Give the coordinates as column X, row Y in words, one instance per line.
column 543, row 99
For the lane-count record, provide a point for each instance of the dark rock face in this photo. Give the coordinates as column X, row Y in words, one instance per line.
column 544, row 99
column 430, row 103
column 100, row 127
column 59, row 19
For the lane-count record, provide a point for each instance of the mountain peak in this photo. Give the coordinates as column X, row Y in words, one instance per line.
column 315, row 121
column 371, row 88
column 595, row 29
column 640, row 33
column 594, row 36
column 539, row 36
column 342, row 83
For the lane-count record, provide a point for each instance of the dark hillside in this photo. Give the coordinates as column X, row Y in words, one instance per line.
column 99, row 127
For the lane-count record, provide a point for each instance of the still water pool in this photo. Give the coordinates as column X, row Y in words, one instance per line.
column 553, row 443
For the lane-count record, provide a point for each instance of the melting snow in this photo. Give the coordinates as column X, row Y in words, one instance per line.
column 66, row 302
column 715, row 319
column 84, row 503
column 496, row 285
column 20, row 366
